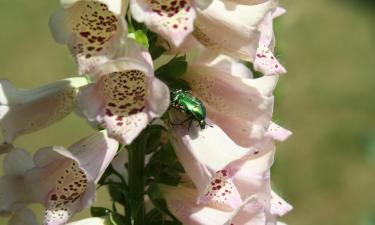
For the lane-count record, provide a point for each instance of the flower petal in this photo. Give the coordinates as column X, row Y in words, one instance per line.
column 118, row 164
column 117, row 7
column 26, row 111
column 202, row 4
column 242, row 132
column 126, row 98
column 232, row 95
column 172, row 19
column 181, row 202
column 95, row 153
column 266, row 63
column 159, row 98
column 237, row 23
column 221, row 190
column 90, row 221
column 185, row 47
column 137, row 52
column 223, row 63
column 228, row 99
column 23, row 217
column 251, row 214
column 205, row 159
column 277, row 132
column 251, row 176
column 13, row 194
column 93, row 30
column 279, row 206
column 64, row 181
column 17, row 162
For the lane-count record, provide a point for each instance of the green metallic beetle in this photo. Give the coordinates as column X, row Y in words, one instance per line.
column 185, row 102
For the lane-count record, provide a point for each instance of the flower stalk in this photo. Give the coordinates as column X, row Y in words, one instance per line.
column 136, row 154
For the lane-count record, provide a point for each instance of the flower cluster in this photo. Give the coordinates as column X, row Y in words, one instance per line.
column 203, row 126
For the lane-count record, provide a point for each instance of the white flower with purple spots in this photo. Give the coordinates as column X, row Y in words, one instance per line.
column 63, row 180
column 265, row 61
column 242, row 29
column 24, row 111
column 239, row 110
column 215, row 165
column 93, row 30
column 255, row 210
column 240, row 105
column 172, row 19
column 126, row 96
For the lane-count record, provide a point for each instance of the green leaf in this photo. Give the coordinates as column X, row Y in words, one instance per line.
column 173, row 70
column 141, row 38
column 159, row 202
column 153, row 216
column 154, row 137
column 180, row 84
column 169, row 178
column 117, row 193
column 164, row 167
column 116, row 219
column 156, row 51
column 256, row 74
column 99, row 211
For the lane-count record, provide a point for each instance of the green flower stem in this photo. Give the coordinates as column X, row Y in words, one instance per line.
column 136, row 179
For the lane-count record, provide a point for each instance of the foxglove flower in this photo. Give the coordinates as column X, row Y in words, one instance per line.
column 182, row 203
column 239, row 110
column 126, row 95
column 279, row 207
column 64, row 181
column 219, row 168
column 93, row 30
column 14, row 195
column 188, row 45
column 172, row 19
column 265, row 61
column 23, row 217
column 277, row 132
column 244, row 29
column 90, row 221
column 25, row 111
column 27, row 217
column 240, row 105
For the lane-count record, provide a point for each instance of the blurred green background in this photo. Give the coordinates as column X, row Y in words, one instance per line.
column 327, row 169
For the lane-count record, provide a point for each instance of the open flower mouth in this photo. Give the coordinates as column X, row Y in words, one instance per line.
column 125, row 93
column 94, row 28
column 69, row 188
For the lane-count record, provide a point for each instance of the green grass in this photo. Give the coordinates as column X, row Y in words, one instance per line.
column 326, row 170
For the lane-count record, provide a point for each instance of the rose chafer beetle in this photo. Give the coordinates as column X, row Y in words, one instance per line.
column 194, row 108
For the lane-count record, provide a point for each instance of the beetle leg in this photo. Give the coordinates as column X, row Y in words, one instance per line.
column 191, row 122
column 183, row 122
